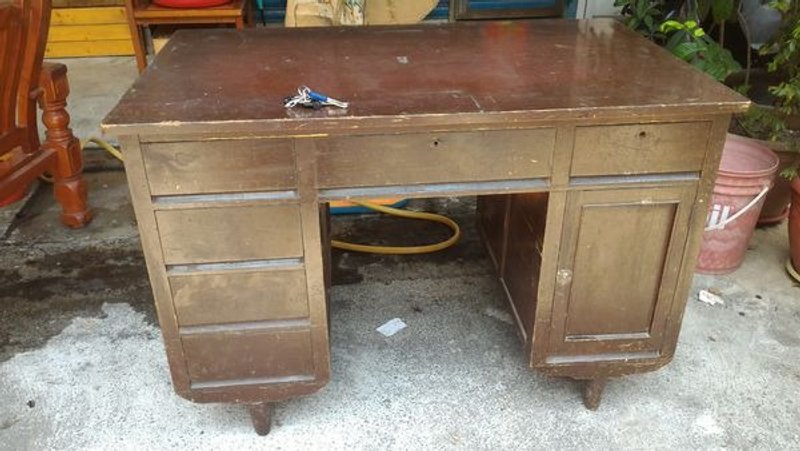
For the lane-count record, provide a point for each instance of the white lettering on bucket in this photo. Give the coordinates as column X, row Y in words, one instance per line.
column 718, row 217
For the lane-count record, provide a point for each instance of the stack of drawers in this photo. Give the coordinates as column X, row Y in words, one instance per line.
column 228, row 215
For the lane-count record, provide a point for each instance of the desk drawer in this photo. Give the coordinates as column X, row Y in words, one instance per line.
column 639, row 149
column 219, row 166
column 421, row 158
column 239, row 296
column 248, row 355
column 225, row 234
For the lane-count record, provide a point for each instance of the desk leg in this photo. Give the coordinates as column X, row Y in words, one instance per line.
column 593, row 392
column 261, row 414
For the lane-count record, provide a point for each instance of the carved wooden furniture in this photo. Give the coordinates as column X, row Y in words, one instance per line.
column 593, row 153
column 24, row 80
column 143, row 13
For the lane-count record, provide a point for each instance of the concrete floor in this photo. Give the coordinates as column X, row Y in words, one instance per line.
column 82, row 362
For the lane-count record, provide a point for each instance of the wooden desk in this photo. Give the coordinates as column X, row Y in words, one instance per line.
column 592, row 151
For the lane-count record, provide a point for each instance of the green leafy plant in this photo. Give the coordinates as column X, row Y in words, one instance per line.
column 690, row 43
column 786, row 58
column 721, row 11
column 676, row 26
column 763, row 123
column 784, row 49
column 644, row 16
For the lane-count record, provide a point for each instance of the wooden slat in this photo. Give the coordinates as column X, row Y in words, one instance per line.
column 639, row 148
column 520, row 274
column 450, row 157
column 104, row 32
column 151, row 11
column 85, row 16
column 86, row 3
column 214, row 235
column 314, row 240
column 231, row 297
column 219, row 166
column 248, row 355
column 493, row 217
column 117, row 47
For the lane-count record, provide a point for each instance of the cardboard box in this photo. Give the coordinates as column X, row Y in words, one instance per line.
column 316, row 13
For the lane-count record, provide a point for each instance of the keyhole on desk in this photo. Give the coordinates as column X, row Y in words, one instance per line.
column 436, row 142
column 642, row 134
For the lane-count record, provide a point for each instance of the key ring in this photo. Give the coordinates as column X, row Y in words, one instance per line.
column 301, row 98
column 311, row 99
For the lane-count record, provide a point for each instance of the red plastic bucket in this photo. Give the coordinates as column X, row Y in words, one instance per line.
column 746, row 173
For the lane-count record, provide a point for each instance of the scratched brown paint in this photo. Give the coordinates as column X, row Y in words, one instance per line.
column 592, row 151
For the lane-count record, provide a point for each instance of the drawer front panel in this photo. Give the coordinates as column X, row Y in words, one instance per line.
column 219, row 166
column 246, row 355
column 211, row 235
column 436, row 158
column 639, row 149
column 239, row 297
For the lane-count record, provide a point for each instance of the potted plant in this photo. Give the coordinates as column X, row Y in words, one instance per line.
column 770, row 118
column 783, row 121
column 676, row 25
column 777, row 123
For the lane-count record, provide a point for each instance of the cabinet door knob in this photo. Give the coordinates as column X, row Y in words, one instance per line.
column 564, row 276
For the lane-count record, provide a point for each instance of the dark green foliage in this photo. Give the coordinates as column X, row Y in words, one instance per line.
column 675, row 25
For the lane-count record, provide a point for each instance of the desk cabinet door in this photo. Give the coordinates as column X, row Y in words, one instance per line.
column 619, row 263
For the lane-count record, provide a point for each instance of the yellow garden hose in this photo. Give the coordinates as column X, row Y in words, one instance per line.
column 403, row 250
column 394, row 250
column 106, row 146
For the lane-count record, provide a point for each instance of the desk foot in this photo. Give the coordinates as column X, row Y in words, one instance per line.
column 261, row 414
column 593, row 392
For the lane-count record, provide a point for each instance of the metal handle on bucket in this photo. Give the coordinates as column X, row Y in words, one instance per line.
column 736, row 215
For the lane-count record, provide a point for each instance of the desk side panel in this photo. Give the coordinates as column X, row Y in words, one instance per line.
column 151, row 245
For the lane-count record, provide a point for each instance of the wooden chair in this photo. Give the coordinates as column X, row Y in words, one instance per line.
column 24, row 80
column 143, row 13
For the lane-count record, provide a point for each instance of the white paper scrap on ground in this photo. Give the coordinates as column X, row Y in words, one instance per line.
column 392, row 327
column 500, row 315
column 710, row 298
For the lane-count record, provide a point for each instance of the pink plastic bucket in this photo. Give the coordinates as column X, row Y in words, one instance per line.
column 746, row 173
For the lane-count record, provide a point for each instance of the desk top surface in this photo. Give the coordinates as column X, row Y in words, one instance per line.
column 509, row 70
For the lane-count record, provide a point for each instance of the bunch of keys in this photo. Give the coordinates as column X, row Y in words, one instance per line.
column 311, row 99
